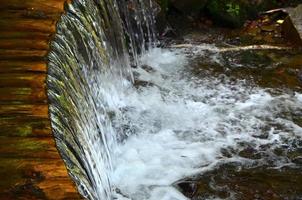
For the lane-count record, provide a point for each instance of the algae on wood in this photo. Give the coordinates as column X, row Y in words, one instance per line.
column 30, row 166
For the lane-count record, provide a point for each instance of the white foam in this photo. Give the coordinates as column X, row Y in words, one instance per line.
column 180, row 124
column 299, row 96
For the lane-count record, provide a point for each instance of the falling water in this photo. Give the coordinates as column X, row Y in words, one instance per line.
column 130, row 120
column 89, row 65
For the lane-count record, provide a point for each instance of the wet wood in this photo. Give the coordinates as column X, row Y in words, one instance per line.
column 233, row 48
column 30, row 166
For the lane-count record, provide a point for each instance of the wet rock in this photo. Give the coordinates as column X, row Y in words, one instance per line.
column 141, row 83
column 246, row 59
column 297, row 160
column 248, row 183
column 295, row 155
column 188, row 188
column 300, row 75
column 162, row 25
column 292, row 26
column 148, row 68
column 226, row 152
column 250, row 153
column 268, row 28
column 159, row 8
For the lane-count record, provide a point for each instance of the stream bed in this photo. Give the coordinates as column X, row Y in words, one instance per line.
column 207, row 125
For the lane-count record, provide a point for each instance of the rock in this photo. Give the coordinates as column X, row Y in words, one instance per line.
column 188, row 6
column 297, row 160
column 227, row 182
column 148, row 68
column 141, row 83
column 188, row 188
column 268, row 28
column 162, row 25
column 250, row 153
column 300, row 76
column 292, row 26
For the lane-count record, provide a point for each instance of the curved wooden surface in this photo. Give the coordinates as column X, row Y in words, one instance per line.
column 30, row 166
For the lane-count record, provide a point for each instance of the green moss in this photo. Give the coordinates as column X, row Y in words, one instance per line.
column 228, row 12
column 233, row 9
column 24, row 130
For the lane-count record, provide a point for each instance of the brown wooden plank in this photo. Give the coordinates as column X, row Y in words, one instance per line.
column 21, row 80
column 34, row 178
column 16, row 66
column 30, row 166
column 29, row 126
column 24, row 44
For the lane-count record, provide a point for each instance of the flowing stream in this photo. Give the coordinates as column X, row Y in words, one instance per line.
column 130, row 120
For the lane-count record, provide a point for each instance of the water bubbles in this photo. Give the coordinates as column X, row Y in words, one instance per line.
column 185, row 125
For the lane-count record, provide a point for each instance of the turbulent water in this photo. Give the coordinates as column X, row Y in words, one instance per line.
column 132, row 132
column 89, row 66
column 180, row 125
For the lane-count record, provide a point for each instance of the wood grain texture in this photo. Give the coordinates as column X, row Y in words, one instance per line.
column 30, row 165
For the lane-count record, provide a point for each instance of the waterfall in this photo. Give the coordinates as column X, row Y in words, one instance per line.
column 90, row 59
column 131, row 121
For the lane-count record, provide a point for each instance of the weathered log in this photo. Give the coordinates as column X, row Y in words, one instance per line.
column 235, row 48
